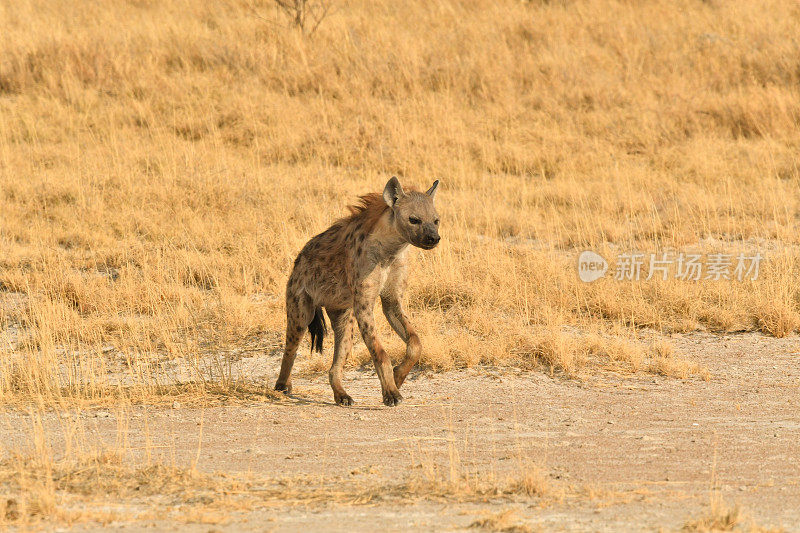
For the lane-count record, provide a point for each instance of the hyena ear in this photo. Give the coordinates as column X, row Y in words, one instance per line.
column 392, row 192
column 432, row 191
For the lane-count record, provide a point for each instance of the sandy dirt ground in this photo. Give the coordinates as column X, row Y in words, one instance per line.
column 632, row 452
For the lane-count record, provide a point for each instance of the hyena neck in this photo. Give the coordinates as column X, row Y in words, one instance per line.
column 388, row 241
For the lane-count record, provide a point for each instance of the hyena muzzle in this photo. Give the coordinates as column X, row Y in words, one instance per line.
column 345, row 269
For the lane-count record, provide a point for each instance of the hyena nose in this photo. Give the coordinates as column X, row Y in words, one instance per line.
column 431, row 240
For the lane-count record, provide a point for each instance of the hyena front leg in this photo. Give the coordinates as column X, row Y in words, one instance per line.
column 391, row 301
column 342, row 323
column 393, row 309
column 299, row 313
column 364, row 302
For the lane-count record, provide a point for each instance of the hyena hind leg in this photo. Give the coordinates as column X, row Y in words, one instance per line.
column 299, row 313
column 342, row 323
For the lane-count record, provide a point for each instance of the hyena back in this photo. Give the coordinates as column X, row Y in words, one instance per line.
column 345, row 269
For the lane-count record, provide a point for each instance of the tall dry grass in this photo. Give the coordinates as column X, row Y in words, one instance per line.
column 161, row 163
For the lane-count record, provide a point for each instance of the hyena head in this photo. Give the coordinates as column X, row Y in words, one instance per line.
column 415, row 218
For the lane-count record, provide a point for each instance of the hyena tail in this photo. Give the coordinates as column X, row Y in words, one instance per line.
column 318, row 329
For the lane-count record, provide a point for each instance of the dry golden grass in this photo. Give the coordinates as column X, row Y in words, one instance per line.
column 504, row 521
column 68, row 476
column 459, row 473
column 719, row 518
column 37, row 492
column 719, row 515
column 161, row 163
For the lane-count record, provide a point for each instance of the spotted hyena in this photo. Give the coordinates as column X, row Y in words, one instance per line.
column 344, row 269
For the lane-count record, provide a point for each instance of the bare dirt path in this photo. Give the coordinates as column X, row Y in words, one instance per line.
column 620, row 452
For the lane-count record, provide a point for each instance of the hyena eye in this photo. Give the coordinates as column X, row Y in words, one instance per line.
column 436, row 221
column 414, row 220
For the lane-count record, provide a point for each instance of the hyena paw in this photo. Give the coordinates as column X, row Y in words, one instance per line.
column 343, row 399
column 392, row 398
column 285, row 388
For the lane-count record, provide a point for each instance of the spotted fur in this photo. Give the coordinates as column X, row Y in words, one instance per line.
column 345, row 269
